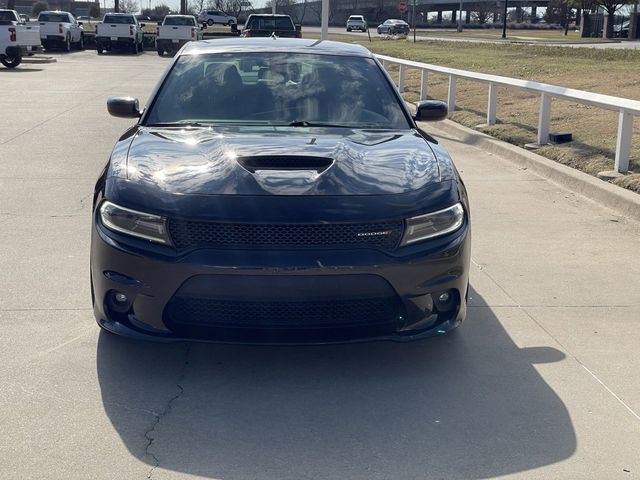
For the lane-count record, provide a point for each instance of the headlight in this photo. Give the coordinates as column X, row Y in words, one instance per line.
column 134, row 223
column 433, row 224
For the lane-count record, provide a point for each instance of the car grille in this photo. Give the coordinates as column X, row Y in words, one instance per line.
column 278, row 314
column 191, row 234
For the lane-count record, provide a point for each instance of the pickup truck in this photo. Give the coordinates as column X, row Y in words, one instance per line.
column 259, row 25
column 60, row 29
column 16, row 38
column 175, row 31
column 119, row 31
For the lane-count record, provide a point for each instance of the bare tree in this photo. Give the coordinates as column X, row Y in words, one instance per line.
column 611, row 7
column 129, row 6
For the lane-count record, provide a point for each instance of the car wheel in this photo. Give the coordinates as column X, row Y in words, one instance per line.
column 10, row 62
column 99, row 49
column 230, row 22
column 134, row 48
column 160, row 51
column 80, row 44
column 67, row 44
column 210, row 22
column 348, row 29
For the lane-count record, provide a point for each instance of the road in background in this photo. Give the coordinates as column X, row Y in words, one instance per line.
column 542, row 381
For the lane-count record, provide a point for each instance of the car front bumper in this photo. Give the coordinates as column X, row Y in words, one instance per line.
column 278, row 297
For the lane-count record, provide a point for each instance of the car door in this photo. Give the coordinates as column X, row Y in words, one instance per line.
column 219, row 17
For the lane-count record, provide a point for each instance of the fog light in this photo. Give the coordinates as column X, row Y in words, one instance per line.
column 118, row 302
column 445, row 301
column 121, row 298
column 442, row 298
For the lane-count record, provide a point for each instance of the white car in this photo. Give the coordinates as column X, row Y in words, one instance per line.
column 175, row 31
column 16, row 38
column 356, row 22
column 60, row 29
column 211, row 17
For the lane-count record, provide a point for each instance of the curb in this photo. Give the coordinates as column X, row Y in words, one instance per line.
column 36, row 59
column 623, row 201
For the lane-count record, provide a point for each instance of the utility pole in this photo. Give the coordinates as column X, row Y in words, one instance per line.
column 413, row 20
column 504, row 19
column 324, row 29
column 460, row 18
column 273, row 7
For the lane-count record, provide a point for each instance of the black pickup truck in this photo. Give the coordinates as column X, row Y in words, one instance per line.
column 266, row 25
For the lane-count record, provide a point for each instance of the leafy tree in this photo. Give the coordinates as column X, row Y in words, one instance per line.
column 39, row 7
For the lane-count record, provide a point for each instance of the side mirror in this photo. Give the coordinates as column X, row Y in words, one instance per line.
column 431, row 111
column 298, row 27
column 124, row 107
column 142, row 25
column 80, row 23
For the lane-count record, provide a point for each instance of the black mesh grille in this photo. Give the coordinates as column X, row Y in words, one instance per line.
column 189, row 234
column 290, row 315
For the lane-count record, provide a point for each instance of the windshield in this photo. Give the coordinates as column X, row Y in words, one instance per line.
column 270, row 88
column 120, row 19
column 54, row 17
column 7, row 16
column 270, row 23
column 180, row 21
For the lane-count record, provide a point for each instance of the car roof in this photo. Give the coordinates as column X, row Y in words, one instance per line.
column 268, row 44
column 269, row 15
column 55, row 11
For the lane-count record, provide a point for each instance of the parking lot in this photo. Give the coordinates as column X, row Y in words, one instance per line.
column 542, row 381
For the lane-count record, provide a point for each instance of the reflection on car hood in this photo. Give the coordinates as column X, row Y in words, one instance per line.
column 208, row 161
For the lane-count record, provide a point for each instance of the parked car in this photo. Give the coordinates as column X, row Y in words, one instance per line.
column 175, row 31
column 212, row 17
column 621, row 30
column 119, row 31
column 393, row 27
column 264, row 25
column 60, row 29
column 357, row 22
column 307, row 208
column 16, row 38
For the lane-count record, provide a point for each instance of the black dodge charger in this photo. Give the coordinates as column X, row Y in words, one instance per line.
column 278, row 191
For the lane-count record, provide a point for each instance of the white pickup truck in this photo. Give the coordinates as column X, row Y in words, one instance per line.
column 175, row 31
column 119, row 31
column 16, row 38
column 60, row 29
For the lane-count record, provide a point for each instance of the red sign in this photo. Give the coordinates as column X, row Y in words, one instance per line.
column 402, row 6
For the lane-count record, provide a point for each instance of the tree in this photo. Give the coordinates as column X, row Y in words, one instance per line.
column 156, row 13
column 94, row 10
column 128, row 6
column 611, row 7
column 39, row 7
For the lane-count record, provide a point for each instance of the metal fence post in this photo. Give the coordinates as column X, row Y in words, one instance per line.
column 543, row 119
column 491, row 104
column 423, row 84
column 401, row 77
column 623, row 142
column 385, row 64
column 451, row 97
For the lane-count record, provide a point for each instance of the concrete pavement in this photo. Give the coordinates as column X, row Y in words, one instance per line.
column 541, row 382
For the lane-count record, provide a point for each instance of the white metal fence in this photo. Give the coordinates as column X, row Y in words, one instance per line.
column 626, row 108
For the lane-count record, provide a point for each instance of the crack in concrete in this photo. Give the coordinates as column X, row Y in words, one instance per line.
column 167, row 410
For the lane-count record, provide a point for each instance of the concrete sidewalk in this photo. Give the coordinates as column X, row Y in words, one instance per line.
column 541, row 382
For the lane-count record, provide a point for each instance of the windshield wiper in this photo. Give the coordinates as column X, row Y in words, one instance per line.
column 305, row 123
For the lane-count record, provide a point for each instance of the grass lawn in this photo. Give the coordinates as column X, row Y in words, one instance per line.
column 551, row 36
column 609, row 71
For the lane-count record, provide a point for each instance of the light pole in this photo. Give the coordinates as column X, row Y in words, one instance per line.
column 504, row 19
column 460, row 17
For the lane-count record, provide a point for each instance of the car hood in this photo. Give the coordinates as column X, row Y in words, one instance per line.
column 278, row 161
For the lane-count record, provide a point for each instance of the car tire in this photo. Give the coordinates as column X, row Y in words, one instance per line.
column 66, row 47
column 348, row 29
column 210, row 22
column 80, row 43
column 100, row 49
column 10, row 62
column 160, row 52
column 229, row 23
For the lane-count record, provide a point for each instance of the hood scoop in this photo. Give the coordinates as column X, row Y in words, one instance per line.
column 285, row 163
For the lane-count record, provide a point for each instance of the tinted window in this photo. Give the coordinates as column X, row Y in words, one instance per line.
column 180, row 21
column 54, row 17
column 270, row 23
column 120, row 19
column 7, row 17
column 277, row 89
